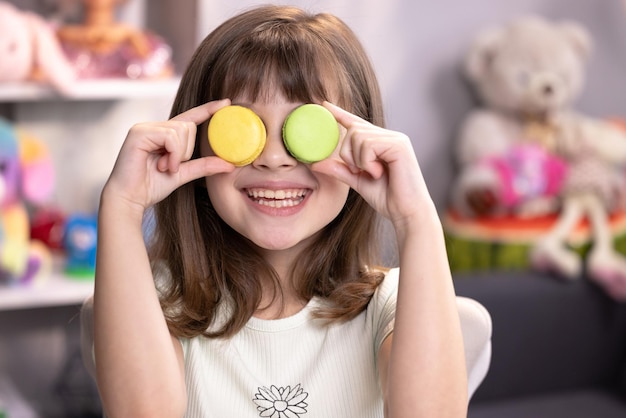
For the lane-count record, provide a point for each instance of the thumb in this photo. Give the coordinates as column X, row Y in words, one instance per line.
column 337, row 169
column 202, row 167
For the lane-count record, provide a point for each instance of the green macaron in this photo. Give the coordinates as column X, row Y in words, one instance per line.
column 310, row 133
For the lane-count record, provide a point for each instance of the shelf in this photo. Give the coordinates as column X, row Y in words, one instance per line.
column 102, row 89
column 57, row 290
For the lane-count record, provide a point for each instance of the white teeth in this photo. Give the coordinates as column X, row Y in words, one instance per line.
column 278, row 203
column 277, row 198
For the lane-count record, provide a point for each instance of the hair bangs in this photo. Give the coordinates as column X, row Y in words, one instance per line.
column 270, row 61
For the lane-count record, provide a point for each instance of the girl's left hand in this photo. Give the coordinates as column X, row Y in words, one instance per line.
column 380, row 165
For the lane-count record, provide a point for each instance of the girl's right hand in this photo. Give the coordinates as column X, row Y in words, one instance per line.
column 155, row 158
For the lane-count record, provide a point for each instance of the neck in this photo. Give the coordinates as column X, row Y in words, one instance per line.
column 286, row 301
column 282, row 304
column 280, row 309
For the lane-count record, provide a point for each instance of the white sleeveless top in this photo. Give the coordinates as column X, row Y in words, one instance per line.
column 295, row 367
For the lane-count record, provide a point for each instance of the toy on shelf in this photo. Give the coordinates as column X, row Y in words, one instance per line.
column 26, row 176
column 100, row 47
column 80, row 239
column 527, row 74
column 72, row 237
column 47, row 225
column 31, row 51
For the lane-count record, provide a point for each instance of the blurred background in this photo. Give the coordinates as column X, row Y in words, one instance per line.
column 416, row 47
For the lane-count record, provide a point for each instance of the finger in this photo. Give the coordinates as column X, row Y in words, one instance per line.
column 357, row 130
column 186, row 135
column 342, row 116
column 360, row 150
column 346, row 152
column 202, row 167
column 178, row 146
column 337, row 169
column 175, row 137
column 163, row 163
column 202, row 113
column 367, row 155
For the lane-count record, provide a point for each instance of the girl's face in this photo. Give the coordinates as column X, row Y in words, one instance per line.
column 276, row 202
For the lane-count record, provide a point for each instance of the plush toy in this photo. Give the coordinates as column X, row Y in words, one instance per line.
column 594, row 188
column 31, row 51
column 80, row 239
column 527, row 74
column 26, row 176
column 102, row 47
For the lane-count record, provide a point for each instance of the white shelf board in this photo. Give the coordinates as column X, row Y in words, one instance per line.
column 101, row 89
column 56, row 290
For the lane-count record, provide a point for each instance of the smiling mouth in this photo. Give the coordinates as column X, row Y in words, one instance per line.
column 277, row 198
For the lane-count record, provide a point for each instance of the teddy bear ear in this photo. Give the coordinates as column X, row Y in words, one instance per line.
column 482, row 52
column 578, row 36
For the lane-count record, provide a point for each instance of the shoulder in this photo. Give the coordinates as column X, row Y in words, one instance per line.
column 388, row 288
column 381, row 309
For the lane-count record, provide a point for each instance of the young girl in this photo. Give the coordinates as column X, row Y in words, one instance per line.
column 261, row 295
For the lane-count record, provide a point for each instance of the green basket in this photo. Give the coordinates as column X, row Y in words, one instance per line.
column 505, row 243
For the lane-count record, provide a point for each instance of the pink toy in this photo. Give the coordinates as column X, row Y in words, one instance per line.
column 527, row 172
column 31, row 51
column 26, row 175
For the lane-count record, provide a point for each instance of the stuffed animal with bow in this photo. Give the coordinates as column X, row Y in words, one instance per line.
column 26, row 178
column 31, row 51
column 528, row 73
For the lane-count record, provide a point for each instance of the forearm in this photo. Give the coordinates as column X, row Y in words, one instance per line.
column 138, row 367
column 427, row 376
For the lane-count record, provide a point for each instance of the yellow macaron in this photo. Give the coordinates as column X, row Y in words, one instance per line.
column 236, row 134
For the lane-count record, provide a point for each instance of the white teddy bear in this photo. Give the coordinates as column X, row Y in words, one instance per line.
column 31, row 50
column 527, row 74
column 527, row 153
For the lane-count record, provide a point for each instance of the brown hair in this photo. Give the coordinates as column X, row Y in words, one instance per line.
column 307, row 58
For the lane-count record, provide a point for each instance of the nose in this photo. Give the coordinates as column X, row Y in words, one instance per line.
column 275, row 155
column 548, row 90
column 547, row 85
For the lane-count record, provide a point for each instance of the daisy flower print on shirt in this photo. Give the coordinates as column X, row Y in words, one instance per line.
column 283, row 402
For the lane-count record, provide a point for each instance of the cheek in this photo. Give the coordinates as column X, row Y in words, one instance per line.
column 335, row 193
column 220, row 191
column 223, row 200
column 217, row 188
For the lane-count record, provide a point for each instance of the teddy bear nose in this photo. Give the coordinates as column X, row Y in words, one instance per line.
column 548, row 90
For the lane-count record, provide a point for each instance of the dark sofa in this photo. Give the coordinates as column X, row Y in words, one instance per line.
column 558, row 348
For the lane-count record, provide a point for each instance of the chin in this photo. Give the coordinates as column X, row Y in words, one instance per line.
column 277, row 244
column 280, row 242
